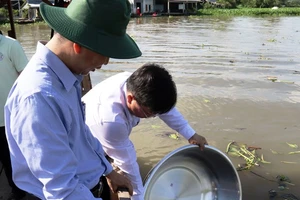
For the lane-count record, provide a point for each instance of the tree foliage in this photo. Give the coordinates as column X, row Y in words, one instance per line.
column 258, row 3
column 228, row 3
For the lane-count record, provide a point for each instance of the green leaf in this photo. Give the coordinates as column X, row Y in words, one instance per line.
column 295, row 146
column 294, row 152
column 155, row 126
column 275, row 152
column 288, row 162
column 288, row 82
column 206, row 100
column 174, row 136
column 263, row 160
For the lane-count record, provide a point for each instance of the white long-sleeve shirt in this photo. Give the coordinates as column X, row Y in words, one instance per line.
column 111, row 122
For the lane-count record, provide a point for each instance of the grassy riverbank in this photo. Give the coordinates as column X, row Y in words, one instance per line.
column 251, row 12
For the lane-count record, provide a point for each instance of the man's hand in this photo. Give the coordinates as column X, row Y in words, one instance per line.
column 198, row 140
column 116, row 180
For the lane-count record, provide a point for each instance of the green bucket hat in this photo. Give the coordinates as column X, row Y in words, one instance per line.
column 99, row 25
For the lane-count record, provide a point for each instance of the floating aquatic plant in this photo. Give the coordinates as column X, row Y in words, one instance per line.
column 275, row 152
column 294, row 152
column 247, row 153
column 288, row 162
column 295, row 146
column 174, row 136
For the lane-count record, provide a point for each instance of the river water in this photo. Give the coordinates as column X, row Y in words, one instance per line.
column 222, row 67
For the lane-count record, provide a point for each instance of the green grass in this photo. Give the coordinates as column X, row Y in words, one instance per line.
column 251, row 12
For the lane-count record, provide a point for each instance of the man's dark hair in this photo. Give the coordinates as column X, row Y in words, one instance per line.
column 153, row 87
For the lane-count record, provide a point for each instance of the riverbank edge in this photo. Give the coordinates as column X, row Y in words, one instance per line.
column 285, row 11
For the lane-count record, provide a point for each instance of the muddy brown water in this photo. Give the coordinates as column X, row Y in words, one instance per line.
column 221, row 67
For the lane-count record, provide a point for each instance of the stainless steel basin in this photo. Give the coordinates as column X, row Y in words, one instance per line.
column 188, row 173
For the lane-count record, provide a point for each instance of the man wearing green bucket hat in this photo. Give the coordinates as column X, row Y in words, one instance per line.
column 53, row 153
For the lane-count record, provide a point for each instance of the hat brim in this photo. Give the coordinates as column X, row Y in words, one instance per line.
column 121, row 47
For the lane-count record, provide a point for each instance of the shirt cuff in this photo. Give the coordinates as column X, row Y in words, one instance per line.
column 187, row 132
column 108, row 167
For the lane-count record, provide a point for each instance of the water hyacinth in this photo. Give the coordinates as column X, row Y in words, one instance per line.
column 247, row 153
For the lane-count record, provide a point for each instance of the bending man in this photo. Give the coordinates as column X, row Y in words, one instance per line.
column 115, row 106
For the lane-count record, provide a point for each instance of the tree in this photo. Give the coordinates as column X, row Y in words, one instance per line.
column 248, row 3
column 228, row 3
column 292, row 3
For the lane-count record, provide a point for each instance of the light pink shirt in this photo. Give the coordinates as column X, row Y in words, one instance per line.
column 111, row 122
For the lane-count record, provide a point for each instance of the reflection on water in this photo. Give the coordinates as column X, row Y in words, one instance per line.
column 221, row 67
column 210, row 56
column 217, row 57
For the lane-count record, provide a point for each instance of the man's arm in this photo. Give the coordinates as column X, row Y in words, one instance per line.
column 176, row 121
column 97, row 146
column 116, row 143
column 114, row 179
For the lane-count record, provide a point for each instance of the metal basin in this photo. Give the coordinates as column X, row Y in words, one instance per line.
column 188, row 173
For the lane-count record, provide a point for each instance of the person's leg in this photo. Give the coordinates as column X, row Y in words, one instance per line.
column 5, row 159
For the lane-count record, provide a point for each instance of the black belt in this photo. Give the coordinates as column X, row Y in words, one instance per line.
column 96, row 191
column 32, row 197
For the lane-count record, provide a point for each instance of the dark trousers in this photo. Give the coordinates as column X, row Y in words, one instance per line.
column 5, row 159
column 102, row 186
column 106, row 190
